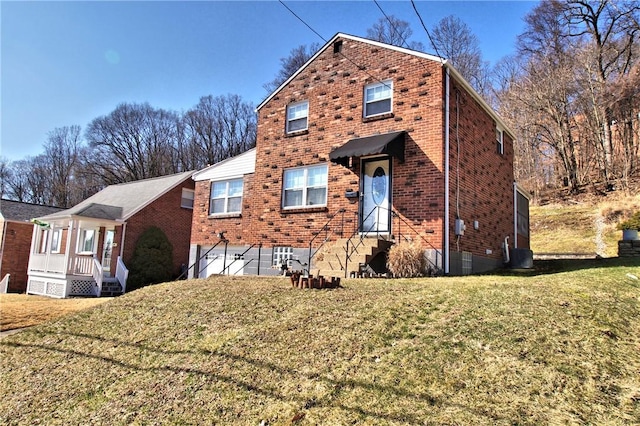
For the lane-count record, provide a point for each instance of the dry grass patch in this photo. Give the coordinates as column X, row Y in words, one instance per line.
column 559, row 348
column 22, row 310
column 581, row 228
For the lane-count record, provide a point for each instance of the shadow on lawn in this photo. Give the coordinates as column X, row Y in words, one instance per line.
column 338, row 386
column 554, row 266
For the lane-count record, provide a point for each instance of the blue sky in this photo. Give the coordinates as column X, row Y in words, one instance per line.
column 66, row 63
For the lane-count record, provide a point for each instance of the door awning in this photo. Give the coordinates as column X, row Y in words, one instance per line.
column 389, row 143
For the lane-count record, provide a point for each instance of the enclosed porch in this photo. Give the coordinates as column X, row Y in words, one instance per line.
column 76, row 257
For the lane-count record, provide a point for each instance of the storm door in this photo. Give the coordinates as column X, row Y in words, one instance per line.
column 375, row 208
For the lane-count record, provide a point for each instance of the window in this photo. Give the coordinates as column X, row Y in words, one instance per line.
column 86, row 241
column 305, row 187
column 226, row 197
column 297, row 115
column 42, row 241
column 187, row 198
column 55, row 240
column 499, row 141
column 377, row 98
column 282, row 255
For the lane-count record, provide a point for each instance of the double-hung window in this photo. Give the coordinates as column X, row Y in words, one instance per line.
column 377, row 98
column 226, row 197
column 297, row 116
column 188, row 196
column 305, row 187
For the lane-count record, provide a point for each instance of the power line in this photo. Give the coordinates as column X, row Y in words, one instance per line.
column 302, row 20
column 426, row 30
column 393, row 27
column 360, row 67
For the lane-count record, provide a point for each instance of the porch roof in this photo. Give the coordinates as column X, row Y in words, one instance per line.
column 387, row 143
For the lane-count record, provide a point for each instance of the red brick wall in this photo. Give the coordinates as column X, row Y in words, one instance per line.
column 236, row 228
column 481, row 179
column 166, row 214
column 334, row 87
column 15, row 254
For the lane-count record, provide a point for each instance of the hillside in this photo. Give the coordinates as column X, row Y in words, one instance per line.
column 557, row 347
column 584, row 223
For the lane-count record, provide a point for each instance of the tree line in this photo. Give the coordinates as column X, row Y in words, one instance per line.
column 134, row 141
column 570, row 93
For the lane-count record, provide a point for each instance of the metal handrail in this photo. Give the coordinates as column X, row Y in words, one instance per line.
column 226, row 267
column 182, row 275
column 326, row 230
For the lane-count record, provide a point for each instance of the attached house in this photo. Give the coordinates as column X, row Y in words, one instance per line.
column 84, row 250
column 365, row 146
column 16, row 230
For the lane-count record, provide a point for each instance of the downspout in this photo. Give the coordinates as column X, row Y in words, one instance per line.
column 515, row 215
column 124, row 229
column 446, row 174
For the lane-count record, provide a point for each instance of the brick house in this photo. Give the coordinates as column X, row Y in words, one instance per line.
column 82, row 251
column 366, row 145
column 16, row 230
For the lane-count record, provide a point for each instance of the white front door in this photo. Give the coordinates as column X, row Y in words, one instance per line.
column 375, row 209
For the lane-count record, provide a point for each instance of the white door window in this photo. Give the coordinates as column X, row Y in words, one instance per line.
column 376, row 197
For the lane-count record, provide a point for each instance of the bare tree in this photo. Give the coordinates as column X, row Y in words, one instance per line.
column 391, row 30
column 610, row 31
column 135, row 141
column 61, row 157
column 217, row 128
column 454, row 40
column 290, row 64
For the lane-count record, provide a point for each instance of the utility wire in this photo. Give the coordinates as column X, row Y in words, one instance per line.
column 393, row 27
column 426, row 30
column 302, row 20
column 360, row 67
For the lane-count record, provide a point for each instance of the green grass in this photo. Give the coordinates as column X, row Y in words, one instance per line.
column 556, row 346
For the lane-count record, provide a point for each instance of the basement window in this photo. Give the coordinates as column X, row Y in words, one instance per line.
column 282, row 256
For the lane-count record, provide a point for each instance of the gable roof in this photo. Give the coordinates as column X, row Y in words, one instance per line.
column 230, row 168
column 120, row 202
column 445, row 63
column 18, row 211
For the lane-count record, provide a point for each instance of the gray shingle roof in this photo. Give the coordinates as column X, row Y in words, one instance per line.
column 121, row 201
column 24, row 212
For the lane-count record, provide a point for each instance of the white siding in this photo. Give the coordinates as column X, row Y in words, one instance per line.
column 230, row 168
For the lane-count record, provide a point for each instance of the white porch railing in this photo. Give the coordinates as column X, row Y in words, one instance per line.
column 81, row 265
column 122, row 273
column 97, row 274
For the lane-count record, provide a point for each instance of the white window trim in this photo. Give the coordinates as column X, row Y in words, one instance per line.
column 306, row 117
column 81, row 240
column 281, row 255
column 388, row 83
column 500, row 140
column 54, row 232
column 305, row 187
column 183, row 198
column 225, row 198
